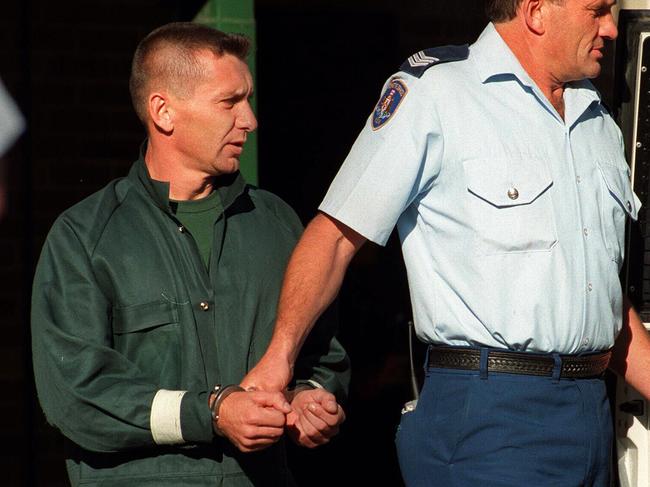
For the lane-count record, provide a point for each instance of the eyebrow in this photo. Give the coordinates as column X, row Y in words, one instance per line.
column 230, row 95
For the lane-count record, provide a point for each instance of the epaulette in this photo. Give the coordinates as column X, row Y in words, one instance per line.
column 419, row 62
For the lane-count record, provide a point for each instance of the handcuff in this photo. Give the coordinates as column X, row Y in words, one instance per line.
column 221, row 392
column 217, row 396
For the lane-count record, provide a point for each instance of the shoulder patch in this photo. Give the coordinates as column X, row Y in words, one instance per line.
column 388, row 103
column 419, row 62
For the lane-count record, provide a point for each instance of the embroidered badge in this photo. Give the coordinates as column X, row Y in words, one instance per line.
column 388, row 103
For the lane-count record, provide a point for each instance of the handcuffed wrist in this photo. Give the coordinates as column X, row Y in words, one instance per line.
column 217, row 396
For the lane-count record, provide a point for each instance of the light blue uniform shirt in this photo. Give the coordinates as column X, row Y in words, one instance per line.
column 512, row 220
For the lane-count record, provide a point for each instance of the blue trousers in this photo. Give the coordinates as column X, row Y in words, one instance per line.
column 503, row 430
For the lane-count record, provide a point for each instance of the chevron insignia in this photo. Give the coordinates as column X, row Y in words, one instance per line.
column 419, row 62
column 420, row 59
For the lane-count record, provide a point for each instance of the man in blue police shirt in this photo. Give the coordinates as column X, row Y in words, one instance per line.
column 506, row 179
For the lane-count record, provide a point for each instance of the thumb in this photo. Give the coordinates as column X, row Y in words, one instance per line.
column 274, row 400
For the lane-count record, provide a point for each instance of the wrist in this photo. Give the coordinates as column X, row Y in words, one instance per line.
column 282, row 351
column 292, row 393
column 216, row 398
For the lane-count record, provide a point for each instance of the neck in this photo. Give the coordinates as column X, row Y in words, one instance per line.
column 528, row 51
column 168, row 165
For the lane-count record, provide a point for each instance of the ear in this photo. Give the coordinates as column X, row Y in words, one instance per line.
column 532, row 12
column 160, row 112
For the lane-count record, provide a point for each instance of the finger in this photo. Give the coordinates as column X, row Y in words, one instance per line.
column 291, row 419
column 300, row 438
column 305, row 441
column 247, row 445
column 311, row 431
column 325, row 430
column 331, row 406
column 267, row 416
column 264, row 433
column 316, row 411
column 326, row 399
column 272, row 399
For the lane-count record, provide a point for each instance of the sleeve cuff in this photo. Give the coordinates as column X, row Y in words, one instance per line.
column 311, row 383
column 179, row 417
column 165, row 419
column 196, row 420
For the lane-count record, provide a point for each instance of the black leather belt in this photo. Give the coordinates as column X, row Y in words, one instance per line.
column 573, row 366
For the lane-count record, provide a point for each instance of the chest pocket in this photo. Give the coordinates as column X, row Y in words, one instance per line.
column 509, row 205
column 148, row 335
column 618, row 202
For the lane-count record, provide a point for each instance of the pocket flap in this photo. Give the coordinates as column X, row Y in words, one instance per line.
column 617, row 180
column 506, row 182
column 143, row 316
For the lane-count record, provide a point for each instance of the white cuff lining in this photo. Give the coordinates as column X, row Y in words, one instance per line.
column 166, row 417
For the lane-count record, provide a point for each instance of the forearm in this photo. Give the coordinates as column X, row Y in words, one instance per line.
column 323, row 359
column 631, row 354
column 312, row 281
column 101, row 401
column 95, row 393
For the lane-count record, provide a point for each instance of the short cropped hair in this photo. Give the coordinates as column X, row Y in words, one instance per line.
column 501, row 10
column 169, row 55
column 504, row 10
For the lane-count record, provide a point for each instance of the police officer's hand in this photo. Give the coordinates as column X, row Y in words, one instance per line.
column 271, row 373
column 253, row 420
column 315, row 417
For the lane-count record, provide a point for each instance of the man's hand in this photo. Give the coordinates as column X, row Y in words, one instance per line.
column 631, row 352
column 315, row 417
column 270, row 374
column 253, row 420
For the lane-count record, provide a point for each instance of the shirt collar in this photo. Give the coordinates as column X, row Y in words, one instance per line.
column 493, row 58
column 229, row 186
column 495, row 61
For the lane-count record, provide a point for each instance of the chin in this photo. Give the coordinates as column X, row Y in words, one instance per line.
column 229, row 169
column 228, row 166
column 594, row 73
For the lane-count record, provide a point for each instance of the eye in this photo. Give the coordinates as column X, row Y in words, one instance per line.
column 601, row 12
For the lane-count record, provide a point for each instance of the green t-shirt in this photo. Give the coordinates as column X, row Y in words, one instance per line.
column 198, row 216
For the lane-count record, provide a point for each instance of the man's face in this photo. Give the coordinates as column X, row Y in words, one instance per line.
column 211, row 125
column 577, row 30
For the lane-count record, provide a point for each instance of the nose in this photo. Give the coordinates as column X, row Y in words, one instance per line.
column 608, row 29
column 246, row 118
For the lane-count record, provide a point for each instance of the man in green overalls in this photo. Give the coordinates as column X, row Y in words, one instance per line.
column 154, row 296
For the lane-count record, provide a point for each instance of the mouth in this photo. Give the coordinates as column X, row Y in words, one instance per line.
column 598, row 51
column 237, row 146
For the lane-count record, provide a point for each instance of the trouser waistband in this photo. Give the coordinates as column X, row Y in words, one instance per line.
column 570, row 366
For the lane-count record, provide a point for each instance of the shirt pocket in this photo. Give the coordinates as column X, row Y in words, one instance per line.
column 618, row 202
column 509, row 205
column 148, row 335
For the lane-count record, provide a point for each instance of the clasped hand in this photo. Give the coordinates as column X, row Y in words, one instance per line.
column 253, row 420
